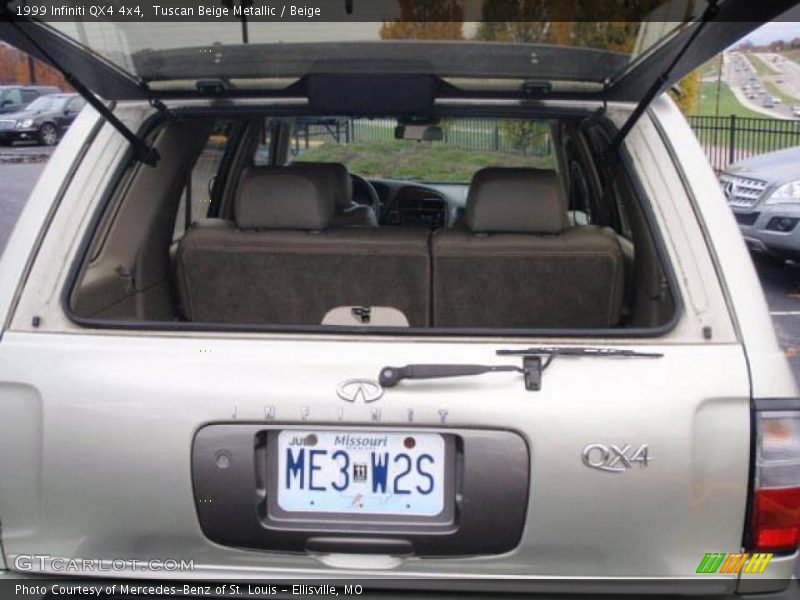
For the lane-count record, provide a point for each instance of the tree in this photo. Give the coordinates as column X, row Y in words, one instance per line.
column 440, row 20
column 689, row 94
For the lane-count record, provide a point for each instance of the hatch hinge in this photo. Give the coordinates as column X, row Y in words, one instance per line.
column 142, row 152
column 162, row 108
column 658, row 85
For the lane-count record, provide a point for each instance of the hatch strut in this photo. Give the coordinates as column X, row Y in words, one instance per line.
column 142, row 151
column 708, row 15
column 532, row 365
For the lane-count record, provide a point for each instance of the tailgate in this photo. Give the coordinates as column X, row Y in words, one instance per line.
column 616, row 467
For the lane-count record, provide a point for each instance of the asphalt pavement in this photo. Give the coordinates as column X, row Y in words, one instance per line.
column 20, row 167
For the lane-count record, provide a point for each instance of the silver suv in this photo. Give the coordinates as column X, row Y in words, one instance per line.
column 461, row 314
column 764, row 194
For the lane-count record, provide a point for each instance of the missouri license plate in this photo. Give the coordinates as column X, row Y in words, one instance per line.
column 354, row 472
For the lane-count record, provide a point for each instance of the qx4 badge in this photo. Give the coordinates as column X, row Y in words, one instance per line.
column 613, row 458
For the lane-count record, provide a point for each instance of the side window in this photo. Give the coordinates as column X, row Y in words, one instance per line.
column 29, row 96
column 262, row 156
column 580, row 205
column 13, row 97
column 198, row 191
column 623, row 211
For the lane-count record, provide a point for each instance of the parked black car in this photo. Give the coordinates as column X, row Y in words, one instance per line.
column 45, row 120
column 14, row 98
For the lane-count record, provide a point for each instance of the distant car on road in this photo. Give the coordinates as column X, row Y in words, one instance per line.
column 796, row 110
column 776, row 100
column 768, row 102
column 764, row 193
column 14, row 98
column 45, row 120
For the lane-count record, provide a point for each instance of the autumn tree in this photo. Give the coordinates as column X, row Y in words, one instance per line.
column 688, row 94
column 421, row 20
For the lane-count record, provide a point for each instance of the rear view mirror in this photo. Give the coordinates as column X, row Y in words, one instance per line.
column 420, row 133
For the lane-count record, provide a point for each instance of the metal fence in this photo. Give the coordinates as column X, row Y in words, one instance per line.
column 728, row 139
column 480, row 135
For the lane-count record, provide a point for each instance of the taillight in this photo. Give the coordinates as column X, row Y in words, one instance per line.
column 775, row 522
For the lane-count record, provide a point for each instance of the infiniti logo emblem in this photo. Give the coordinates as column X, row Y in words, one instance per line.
column 364, row 389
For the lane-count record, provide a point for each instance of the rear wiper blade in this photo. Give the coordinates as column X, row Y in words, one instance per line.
column 552, row 351
column 532, row 365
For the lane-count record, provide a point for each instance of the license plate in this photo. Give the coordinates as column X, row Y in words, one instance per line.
column 361, row 473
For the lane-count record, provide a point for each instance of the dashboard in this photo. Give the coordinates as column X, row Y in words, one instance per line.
column 406, row 204
column 415, row 206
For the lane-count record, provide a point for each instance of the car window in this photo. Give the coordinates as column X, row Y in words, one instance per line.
column 199, row 189
column 46, row 104
column 12, row 97
column 368, row 147
column 29, row 95
column 580, row 205
column 262, row 155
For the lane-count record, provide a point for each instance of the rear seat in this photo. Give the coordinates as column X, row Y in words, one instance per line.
column 282, row 262
column 516, row 262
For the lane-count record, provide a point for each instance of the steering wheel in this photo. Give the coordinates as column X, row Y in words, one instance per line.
column 371, row 193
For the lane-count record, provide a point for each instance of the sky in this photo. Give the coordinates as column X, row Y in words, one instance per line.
column 776, row 30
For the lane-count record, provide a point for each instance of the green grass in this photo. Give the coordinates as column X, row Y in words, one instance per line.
column 792, row 55
column 420, row 161
column 710, row 68
column 776, row 91
column 762, row 69
column 728, row 104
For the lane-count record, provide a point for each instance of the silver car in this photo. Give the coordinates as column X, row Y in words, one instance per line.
column 764, row 193
column 466, row 314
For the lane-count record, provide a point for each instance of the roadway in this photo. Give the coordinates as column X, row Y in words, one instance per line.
column 738, row 71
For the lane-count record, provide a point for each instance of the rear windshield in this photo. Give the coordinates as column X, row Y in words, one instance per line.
column 340, row 224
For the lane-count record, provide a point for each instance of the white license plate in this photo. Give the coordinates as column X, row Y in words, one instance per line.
column 355, row 472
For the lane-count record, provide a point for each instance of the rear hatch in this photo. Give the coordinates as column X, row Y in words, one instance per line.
column 555, row 50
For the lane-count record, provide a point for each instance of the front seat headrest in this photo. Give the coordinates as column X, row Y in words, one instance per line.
column 516, row 200
column 276, row 198
column 334, row 177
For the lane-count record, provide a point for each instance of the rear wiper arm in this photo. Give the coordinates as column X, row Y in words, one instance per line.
column 391, row 376
column 532, row 365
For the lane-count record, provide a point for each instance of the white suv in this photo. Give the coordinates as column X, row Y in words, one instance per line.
column 322, row 306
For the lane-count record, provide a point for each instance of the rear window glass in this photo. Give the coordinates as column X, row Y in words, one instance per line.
column 322, row 223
